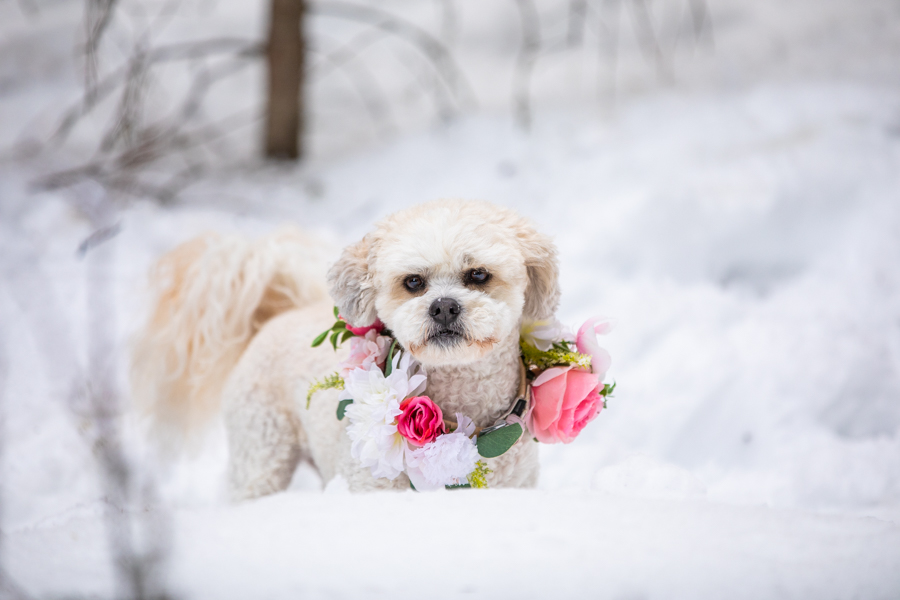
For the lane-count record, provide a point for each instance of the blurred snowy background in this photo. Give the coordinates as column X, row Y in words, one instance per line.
column 722, row 178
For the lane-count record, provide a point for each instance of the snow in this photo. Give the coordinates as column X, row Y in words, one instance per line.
column 741, row 227
column 503, row 543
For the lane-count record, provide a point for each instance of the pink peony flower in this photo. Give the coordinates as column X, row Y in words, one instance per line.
column 421, row 422
column 364, row 352
column 564, row 401
column 377, row 327
column 586, row 342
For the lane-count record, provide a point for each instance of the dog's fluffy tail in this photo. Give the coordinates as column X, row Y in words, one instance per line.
column 211, row 296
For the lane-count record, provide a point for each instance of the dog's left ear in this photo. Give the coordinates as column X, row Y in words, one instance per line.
column 351, row 285
column 542, row 293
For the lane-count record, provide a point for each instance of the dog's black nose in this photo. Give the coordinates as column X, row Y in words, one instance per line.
column 444, row 310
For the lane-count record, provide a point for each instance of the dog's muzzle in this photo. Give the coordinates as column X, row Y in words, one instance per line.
column 446, row 329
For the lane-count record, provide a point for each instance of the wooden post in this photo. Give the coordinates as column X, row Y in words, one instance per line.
column 285, row 55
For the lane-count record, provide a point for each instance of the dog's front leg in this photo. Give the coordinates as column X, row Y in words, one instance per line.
column 361, row 480
column 518, row 467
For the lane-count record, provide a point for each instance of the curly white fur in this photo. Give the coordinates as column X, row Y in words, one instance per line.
column 213, row 318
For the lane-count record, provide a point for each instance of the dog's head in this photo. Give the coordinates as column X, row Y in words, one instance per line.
column 450, row 279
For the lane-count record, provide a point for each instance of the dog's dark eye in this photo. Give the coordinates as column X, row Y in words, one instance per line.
column 414, row 283
column 477, row 276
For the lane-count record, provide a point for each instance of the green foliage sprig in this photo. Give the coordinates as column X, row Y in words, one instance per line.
column 561, row 354
column 339, row 332
column 607, row 391
column 478, row 477
column 329, row 382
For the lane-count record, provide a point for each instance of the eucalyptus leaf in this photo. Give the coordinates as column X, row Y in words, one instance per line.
column 337, row 312
column 347, row 334
column 498, row 441
column 320, row 338
column 389, row 363
column 342, row 408
column 334, row 337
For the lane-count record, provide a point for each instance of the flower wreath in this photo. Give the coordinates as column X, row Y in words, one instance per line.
column 393, row 429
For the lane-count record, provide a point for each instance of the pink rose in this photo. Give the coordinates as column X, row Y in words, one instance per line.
column 586, row 342
column 563, row 402
column 371, row 349
column 421, row 422
column 377, row 327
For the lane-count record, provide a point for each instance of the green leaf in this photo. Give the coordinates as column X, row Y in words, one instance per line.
column 497, row 442
column 342, row 408
column 347, row 334
column 336, row 312
column 320, row 338
column 389, row 363
column 334, row 337
column 457, row 486
column 339, row 326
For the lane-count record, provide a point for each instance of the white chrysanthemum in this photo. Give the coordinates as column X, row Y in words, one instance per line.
column 448, row 460
column 375, row 408
column 543, row 334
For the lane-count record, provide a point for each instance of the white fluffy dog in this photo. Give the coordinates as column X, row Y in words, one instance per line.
column 233, row 323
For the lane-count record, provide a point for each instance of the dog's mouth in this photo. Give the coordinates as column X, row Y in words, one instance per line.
column 446, row 336
column 443, row 343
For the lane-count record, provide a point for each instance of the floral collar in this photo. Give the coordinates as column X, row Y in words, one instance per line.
column 395, row 430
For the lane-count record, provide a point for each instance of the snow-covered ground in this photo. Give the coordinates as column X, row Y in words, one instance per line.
column 743, row 230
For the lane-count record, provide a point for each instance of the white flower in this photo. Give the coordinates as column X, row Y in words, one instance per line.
column 375, row 408
column 448, row 460
column 543, row 334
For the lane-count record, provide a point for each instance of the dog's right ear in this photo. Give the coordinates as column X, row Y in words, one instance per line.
column 542, row 293
column 351, row 286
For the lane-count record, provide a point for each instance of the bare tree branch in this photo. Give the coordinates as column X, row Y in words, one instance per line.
column 428, row 45
column 372, row 97
column 449, row 22
column 528, row 52
column 335, row 59
column 647, row 39
column 97, row 16
column 608, row 23
column 701, row 22
column 8, row 587
column 135, row 568
column 168, row 53
column 576, row 18
column 130, row 104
